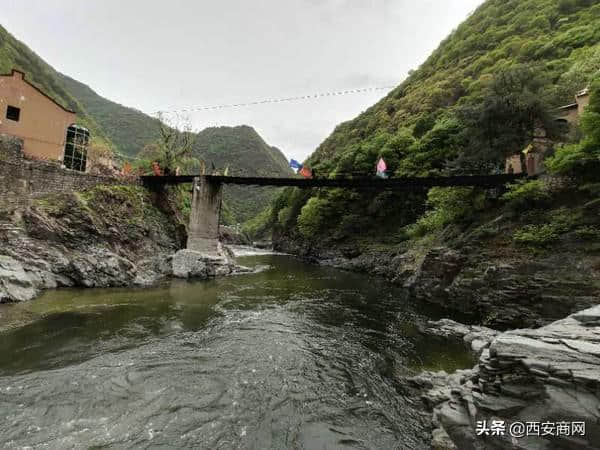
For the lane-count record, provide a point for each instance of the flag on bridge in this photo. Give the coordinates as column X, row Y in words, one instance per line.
column 295, row 164
column 381, row 168
column 306, row 172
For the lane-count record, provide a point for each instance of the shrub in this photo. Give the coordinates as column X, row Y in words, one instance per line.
column 527, row 194
column 537, row 235
column 312, row 217
column 450, row 205
column 558, row 223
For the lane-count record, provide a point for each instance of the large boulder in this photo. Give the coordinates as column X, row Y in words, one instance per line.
column 193, row 264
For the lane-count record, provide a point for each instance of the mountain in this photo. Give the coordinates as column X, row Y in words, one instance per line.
column 245, row 153
column 478, row 97
column 127, row 130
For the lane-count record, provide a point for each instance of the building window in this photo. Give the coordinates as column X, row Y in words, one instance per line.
column 13, row 113
column 76, row 148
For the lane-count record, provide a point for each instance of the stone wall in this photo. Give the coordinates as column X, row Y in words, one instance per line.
column 22, row 179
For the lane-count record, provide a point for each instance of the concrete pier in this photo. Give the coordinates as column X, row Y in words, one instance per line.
column 203, row 232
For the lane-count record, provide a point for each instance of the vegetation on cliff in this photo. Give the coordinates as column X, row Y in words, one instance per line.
column 479, row 97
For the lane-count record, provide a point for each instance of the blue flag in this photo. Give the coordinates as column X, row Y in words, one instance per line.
column 295, row 164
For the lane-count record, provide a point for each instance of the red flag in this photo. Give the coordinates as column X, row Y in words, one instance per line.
column 306, row 172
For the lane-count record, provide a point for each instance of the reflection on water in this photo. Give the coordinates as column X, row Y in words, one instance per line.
column 297, row 356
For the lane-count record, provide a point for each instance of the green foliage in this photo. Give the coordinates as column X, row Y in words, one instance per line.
column 448, row 205
column 557, row 224
column 536, row 235
column 478, row 97
column 259, row 226
column 527, row 194
column 312, row 217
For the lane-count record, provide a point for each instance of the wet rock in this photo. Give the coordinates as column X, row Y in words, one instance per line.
column 549, row 374
column 476, row 337
column 61, row 241
column 15, row 283
column 193, row 264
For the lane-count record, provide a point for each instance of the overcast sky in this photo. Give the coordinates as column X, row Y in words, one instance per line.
column 168, row 55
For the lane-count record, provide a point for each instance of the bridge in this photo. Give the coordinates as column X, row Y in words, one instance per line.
column 203, row 230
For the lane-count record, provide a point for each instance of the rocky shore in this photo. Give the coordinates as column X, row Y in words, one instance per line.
column 524, row 379
column 500, row 286
column 106, row 237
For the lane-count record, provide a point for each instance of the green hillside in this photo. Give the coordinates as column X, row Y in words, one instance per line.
column 476, row 99
column 127, row 130
column 247, row 154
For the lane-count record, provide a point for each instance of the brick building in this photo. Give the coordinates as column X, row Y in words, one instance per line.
column 531, row 159
column 47, row 129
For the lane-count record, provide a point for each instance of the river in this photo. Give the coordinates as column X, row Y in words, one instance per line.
column 293, row 356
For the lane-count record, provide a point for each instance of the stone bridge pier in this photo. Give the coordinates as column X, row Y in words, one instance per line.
column 203, row 230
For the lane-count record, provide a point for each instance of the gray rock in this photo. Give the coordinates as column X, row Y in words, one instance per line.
column 476, row 337
column 192, row 264
column 547, row 374
column 15, row 283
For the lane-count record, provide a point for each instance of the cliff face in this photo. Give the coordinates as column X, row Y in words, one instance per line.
column 105, row 236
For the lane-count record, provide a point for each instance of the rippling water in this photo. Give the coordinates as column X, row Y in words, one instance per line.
column 295, row 356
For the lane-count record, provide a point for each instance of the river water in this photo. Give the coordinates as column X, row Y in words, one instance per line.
column 293, row 356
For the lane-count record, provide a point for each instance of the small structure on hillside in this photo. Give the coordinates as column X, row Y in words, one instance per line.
column 531, row 159
column 47, row 128
column 571, row 113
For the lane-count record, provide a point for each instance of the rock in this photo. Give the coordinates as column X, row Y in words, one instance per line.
column 192, row 264
column 549, row 374
column 62, row 241
column 476, row 337
column 441, row 441
column 15, row 283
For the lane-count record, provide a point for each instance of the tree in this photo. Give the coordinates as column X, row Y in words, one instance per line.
column 174, row 145
column 511, row 111
column 99, row 159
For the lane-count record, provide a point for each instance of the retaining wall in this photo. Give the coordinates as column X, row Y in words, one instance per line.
column 22, row 179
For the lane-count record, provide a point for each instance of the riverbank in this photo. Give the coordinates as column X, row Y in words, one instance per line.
column 549, row 375
column 509, row 266
column 106, row 236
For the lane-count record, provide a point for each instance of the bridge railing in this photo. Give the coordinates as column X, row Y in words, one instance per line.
column 360, row 183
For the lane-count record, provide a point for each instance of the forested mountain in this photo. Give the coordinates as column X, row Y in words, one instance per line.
column 476, row 99
column 127, row 128
column 127, row 131
column 245, row 153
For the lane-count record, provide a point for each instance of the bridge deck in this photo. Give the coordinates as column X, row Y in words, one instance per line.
column 361, row 183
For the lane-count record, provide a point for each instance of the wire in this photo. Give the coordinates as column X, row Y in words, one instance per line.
column 277, row 100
